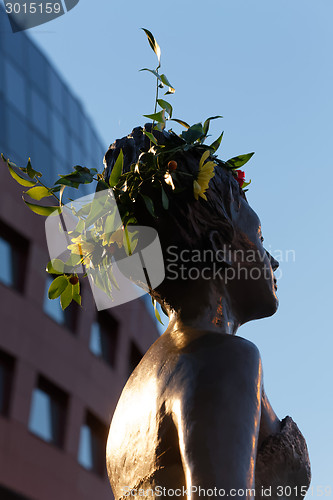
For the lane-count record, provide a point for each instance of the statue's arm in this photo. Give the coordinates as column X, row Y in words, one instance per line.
column 269, row 422
column 218, row 419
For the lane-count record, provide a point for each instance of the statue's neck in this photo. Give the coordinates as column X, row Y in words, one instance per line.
column 204, row 307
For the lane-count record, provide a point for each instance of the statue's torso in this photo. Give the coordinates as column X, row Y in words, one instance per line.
column 144, row 443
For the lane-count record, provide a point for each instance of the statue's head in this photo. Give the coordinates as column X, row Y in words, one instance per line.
column 213, row 242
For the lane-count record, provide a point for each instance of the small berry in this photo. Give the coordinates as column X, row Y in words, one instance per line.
column 73, row 280
column 172, row 165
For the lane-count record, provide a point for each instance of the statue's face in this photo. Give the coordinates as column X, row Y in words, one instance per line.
column 255, row 286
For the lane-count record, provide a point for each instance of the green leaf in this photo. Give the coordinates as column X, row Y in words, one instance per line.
column 165, row 200
column 156, row 117
column 73, row 261
column 40, row 210
column 149, row 204
column 18, row 178
column 165, row 105
column 239, row 161
column 245, row 184
column 112, row 278
column 130, row 241
column 207, row 123
column 38, row 193
column 97, row 211
column 55, row 266
column 77, row 299
column 181, row 122
column 57, row 287
column 166, row 82
column 154, row 45
column 67, row 182
column 194, row 133
column 150, row 137
column 117, row 170
column 66, row 296
column 83, row 176
column 153, row 71
column 31, row 172
column 109, row 226
column 102, row 185
column 216, row 144
column 157, row 314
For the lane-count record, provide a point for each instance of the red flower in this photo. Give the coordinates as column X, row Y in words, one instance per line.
column 240, row 177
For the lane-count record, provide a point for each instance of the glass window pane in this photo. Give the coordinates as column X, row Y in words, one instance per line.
column 15, row 45
column 95, row 340
column 15, row 88
column 85, row 448
column 17, row 135
column 39, row 113
column 41, row 159
column 6, row 263
column 103, row 337
column 52, row 307
column 40, row 415
column 59, row 137
column 38, row 68
column 77, row 153
column 56, row 91
column 13, row 254
column 48, row 412
column 74, row 116
column 91, row 453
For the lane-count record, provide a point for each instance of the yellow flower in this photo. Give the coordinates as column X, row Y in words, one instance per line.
column 168, row 180
column 82, row 247
column 206, row 173
column 117, row 237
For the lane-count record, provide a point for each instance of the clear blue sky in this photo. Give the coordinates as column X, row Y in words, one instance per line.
column 266, row 66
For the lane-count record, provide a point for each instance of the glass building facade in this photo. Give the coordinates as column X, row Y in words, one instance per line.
column 39, row 115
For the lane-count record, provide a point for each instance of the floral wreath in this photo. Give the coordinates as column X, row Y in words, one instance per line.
column 96, row 238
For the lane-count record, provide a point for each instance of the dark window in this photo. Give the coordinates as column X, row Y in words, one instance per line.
column 92, row 445
column 53, row 309
column 103, row 337
column 135, row 357
column 13, row 253
column 6, row 494
column 48, row 412
column 7, row 364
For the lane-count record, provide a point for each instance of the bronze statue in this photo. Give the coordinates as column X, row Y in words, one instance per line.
column 193, row 419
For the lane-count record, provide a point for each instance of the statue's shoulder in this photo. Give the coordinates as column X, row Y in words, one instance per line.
column 206, row 356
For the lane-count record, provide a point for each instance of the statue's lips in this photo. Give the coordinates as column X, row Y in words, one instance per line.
column 275, row 283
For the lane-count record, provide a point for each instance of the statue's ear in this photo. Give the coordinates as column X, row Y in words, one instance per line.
column 220, row 248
